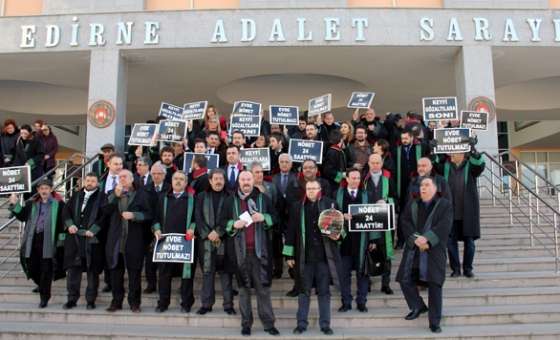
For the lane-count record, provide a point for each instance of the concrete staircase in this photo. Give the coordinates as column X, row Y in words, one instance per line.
column 515, row 295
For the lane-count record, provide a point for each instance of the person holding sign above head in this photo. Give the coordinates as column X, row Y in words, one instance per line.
column 213, row 244
column 355, row 246
column 175, row 214
column 375, row 128
column 43, row 225
column 314, row 255
column 380, row 188
column 461, row 172
column 335, row 162
column 82, row 250
column 426, row 224
column 128, row 211
column 249, row 217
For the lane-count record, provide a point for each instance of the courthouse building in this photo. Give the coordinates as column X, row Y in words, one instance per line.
column 93, row 67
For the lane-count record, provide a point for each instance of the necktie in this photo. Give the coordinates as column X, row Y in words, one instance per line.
column 353, row 193
column 283, row 182
column 177, row 194
column 113, row 182
column 158, row 188
column 145, row 179
column 84, row 203
column 232, row 176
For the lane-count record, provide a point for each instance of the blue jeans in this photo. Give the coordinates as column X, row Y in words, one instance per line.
column 318, row 272
column 346, row 283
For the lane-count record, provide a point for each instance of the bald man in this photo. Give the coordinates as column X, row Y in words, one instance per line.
column 424, row 169
column 129, row 214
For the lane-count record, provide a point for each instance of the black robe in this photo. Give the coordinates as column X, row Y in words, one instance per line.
column 294, row 246
column 263, row 238
column 334, row 166
column 441, row 223
column 135, row 243
column 472, row 168
column 78, row 244
column 30, row 153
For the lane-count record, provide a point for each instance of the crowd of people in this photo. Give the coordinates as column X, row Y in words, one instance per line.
column 127, row 202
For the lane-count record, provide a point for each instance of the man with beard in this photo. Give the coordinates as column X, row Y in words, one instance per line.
column 296, row 189
column 354, row 247
column 174, row 214
column 129, row 215
column 82, row 250
column 379, row 188
column 232, row 168
column 375, row 128
column 360, row 148
column 248, row 217
column 167, row 156
column 43, row 225
column 426, row 225
column 212, row 240
column 315, row 257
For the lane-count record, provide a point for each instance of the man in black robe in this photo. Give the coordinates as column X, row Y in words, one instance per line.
column 82, row 250
column 426, row 224
column 315, row 257
column 43, row 224
column 249, row 217
column 129, row 215
column 335, row 164
column 212, row 240
column 175, row 214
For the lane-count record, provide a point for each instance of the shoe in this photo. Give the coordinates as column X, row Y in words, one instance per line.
column 230, row 311
column 35, row 290
column 387, row 290
column 90, row 306
column 203, row 310
column 135, row 309
column 272, row 331
column 299, row 330
column 106, row 289
column 113, row 308
column 43, row 304
column 435, row 329
column 415, row 313
column 362, row 307
column 344, row 308
column 69, row 305
column 185, row 309
column 327, row 330
column 455, row 273
column 469, row 274
column 149, row 290
column 161, row 309
column 292, row 293
column 246, row 331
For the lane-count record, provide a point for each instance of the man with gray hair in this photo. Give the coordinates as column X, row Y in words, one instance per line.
column 129, row 214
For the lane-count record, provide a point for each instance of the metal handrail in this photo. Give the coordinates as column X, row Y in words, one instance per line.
column 540, row 202
column 533, row 171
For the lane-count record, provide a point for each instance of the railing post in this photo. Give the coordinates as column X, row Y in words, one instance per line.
column 510, row 202
column 517, row 184
column 531, row 220
column 492, row 186
column 537, row 192
column 556, row 257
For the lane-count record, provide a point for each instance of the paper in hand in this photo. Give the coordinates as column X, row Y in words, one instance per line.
column 247, row 218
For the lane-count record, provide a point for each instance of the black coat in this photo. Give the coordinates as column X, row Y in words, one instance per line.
column 87, row 220
column 138, row 228
column 263, row 238
column 8, row 148
column 294, row 248
column 334, row 166
column 437, row 236
column 296, row 189
column 30, row 153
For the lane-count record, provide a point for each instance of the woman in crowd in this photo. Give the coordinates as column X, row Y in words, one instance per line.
column 8, row 139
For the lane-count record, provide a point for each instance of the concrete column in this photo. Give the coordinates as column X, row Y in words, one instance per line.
column 108, row 76
column 474, row 77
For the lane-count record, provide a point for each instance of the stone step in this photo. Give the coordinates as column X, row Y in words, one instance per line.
column 453, row 297
column 84, row 331
column 285, row 318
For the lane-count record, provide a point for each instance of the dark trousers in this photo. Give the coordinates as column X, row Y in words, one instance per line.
column 278, row 258
column 264, row 303
column 346, row 283
column 134, row 284
column 166, row 271
column 317, row 272
column 150, row 268
column 74, row 280
column 386, row 276
column 415, row 301
column 41, row 269
column 453, row 250
column 208, row 291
